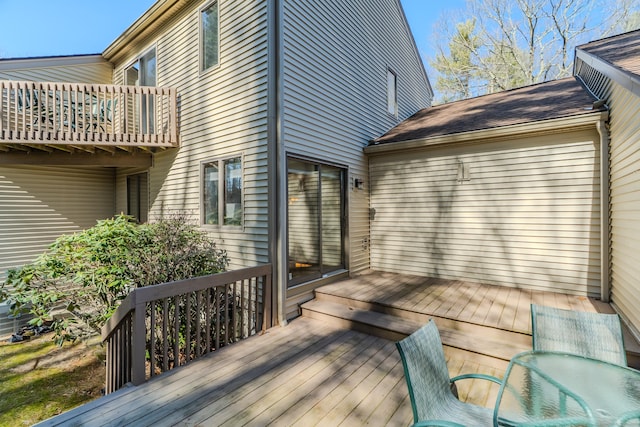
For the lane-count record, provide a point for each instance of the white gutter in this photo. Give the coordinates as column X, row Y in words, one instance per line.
column 543, row 127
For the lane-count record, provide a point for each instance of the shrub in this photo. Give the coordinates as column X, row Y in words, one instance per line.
column 87, row 274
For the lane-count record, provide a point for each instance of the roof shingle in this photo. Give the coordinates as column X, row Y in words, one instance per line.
column 621, row 51
column 556, row 99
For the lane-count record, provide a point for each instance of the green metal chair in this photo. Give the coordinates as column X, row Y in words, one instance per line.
column 594, row 335
column 432, row 400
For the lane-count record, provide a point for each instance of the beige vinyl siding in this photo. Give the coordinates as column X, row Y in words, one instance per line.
column 38, row 204
column 223, row 112
column 624, row 208
column 625, row 203
column 336, row 57
column 83, row 69
column 528, row 215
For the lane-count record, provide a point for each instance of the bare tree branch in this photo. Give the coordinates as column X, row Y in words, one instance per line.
column 521, row 42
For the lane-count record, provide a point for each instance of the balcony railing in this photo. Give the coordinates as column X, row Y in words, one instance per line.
column 78, row 113
column 161, row 327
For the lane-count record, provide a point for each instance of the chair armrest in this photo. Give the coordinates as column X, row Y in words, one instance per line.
column 436, row 423
column 625, row 418
column 480, row 376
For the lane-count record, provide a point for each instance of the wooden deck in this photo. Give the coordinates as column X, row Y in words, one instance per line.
column 315, row 372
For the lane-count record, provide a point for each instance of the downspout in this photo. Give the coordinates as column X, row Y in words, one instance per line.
column 276, row 162
column 605, row 244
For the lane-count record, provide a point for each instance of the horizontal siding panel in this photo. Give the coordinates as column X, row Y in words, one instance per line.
column 334, row 81
column 529, row 215
column 38, row 204
column 223, row 112
column 625, row 202
column 56, row 71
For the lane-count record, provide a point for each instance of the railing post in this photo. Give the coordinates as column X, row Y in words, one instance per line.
column 267, row 303
column 139, row 343
column 173, row 116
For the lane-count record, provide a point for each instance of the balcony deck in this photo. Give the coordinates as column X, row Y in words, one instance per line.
column 314, row 372
column 45, row 122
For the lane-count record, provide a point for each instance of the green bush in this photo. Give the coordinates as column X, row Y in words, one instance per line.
column 87, row 274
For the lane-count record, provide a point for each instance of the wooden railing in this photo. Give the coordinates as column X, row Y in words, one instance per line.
column 158, row 328
column 67, row 113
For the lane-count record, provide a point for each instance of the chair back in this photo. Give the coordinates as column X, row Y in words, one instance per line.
column 425, row 369
column 594, row 335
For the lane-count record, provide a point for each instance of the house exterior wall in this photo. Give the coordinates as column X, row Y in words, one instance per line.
column 82, row 69
column 624, row 157
column 223, row 112
column 36, row 202
column 335, row 59
column 523, row 212
column 625, row 203
column 39, row 204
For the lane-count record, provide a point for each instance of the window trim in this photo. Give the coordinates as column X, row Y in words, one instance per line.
column 201, row 68
column 392, row 104
column 221, row 191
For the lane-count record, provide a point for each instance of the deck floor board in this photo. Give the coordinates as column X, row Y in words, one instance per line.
column 310, row 373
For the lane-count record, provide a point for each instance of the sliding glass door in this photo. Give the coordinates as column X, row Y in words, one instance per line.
column 316, row 220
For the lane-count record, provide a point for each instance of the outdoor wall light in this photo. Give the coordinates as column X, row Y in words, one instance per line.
column 359, row 183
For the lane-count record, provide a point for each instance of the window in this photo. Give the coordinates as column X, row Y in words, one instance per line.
column 222, row 192
column 392, row 93
column 209, row 40
column 142, row 73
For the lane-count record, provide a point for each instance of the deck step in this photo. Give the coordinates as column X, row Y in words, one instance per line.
column 386, row 326
column 476, row 339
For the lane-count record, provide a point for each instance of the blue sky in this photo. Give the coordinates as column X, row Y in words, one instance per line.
column 70, row 27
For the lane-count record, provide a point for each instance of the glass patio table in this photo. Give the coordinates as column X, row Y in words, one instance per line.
column 543, row 388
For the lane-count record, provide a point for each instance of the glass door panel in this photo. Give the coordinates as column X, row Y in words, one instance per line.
column 315, row 220
column 332, row 213
column 304, row 220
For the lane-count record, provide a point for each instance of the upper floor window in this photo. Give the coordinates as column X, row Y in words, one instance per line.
column 209, row 36
column 222, row 191
column 392, row 93
column 143, row 71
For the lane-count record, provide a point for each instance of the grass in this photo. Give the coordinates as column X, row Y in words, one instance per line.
column 39, row 380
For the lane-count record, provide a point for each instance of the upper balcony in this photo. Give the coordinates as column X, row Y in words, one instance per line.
column 39, row 120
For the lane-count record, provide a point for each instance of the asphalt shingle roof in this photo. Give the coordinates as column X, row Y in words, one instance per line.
column 621, row 51
column 550, row 100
